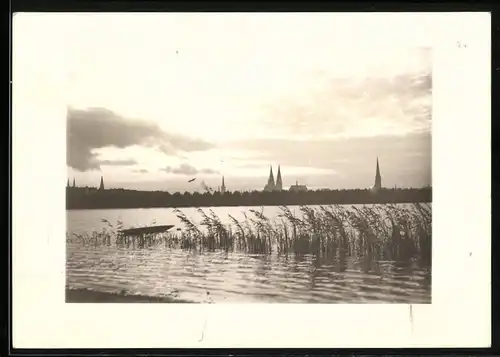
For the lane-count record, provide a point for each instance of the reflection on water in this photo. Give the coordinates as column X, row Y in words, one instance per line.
column 238, row 277
column 235, row 277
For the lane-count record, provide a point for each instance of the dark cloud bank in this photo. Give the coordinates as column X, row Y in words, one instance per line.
column 97, row 128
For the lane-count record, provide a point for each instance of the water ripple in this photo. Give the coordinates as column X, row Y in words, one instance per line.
column 236, row 277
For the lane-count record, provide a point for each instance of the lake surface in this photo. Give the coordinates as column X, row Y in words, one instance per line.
column 232, row 277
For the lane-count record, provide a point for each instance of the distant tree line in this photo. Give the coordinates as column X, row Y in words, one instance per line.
column 81, row 198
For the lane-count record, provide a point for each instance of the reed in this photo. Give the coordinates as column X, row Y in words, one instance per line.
column 388, row 232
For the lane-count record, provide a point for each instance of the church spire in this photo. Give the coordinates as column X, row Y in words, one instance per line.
column 74, row 182
column 270, row 181
column 223, row 186
column 67, row 184
column 378, row 178
column 279, row 182
column 101, row 186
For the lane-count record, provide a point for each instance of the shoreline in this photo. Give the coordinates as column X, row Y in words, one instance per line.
column 231, row 206
column 82, row 198
column 91, row 296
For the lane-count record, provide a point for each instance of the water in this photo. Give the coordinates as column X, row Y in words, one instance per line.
column 233, row 277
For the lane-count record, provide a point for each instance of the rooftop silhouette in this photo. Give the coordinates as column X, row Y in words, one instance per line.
column 273, row 194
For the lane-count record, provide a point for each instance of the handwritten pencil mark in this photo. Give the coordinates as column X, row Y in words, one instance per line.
column 203, row 331
column 411, row 317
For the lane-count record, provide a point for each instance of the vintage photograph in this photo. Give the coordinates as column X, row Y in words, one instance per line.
column 229, row 159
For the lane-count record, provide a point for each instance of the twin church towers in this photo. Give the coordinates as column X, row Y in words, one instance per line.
column 278, row 184
column 271, row 185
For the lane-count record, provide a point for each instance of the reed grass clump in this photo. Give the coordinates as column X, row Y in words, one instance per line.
column 387, row 231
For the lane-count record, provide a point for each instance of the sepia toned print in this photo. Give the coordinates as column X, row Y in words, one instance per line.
column 230, row 161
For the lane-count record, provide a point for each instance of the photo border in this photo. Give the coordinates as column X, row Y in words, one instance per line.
column 459, row 108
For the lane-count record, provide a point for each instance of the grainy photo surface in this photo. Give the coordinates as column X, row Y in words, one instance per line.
column 219, row 159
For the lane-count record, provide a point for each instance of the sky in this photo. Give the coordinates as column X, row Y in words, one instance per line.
column 156, row 100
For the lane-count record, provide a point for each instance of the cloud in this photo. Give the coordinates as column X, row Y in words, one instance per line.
column 186, row 169
column 128, row 162
column 96, row 128
column 140, row 171
column 351, row 106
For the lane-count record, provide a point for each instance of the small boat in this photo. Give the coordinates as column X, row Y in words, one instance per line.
column 145, row 230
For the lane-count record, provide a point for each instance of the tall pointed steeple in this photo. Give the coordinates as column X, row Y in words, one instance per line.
column 74, row 185
column 67, row 184
column 279, row 182
column 101, row 186
column 378, row 178
column 223, row 186
column 270, row 180
column 270, row 186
